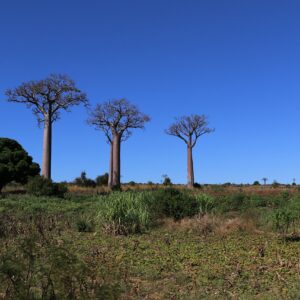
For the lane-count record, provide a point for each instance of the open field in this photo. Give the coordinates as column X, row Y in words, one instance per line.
column 238, row 243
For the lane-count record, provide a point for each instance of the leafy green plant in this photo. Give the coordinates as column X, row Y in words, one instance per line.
column 85, row 225
column 125, row 213
column 15, row 163
column 206, row 203
column 40, row 186
column 102, row 179
column 283, row 219
column 175, row 204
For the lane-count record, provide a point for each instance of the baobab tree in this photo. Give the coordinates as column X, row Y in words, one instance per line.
column 47, row 98
column 189, row 129
column 116, row 118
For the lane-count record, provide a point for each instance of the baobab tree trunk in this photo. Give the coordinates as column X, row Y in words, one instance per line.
column 116, row 182
column 190, row 166
column 110, row 174
column 47, row 148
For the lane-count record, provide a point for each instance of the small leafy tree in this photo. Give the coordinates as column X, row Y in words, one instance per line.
column 15, row 163
column 166, row 180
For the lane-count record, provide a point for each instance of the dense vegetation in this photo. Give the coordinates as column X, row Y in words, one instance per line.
column 15, row 163
column 167, row 243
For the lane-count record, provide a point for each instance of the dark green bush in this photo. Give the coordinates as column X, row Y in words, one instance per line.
column 102, row 179
column 175, row 204
column 85, row 225
column 197, row 185
column 232, row 202
column 84, row 181
column 40, row 186
column 15, row 163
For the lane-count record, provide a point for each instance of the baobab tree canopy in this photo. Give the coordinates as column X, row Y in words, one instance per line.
column 47, row 97
column 189, row 128
column 117, row 117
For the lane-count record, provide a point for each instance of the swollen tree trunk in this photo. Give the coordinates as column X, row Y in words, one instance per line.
column 110, row 174
column 190, row 167
column 46, row 168
column 116, row 182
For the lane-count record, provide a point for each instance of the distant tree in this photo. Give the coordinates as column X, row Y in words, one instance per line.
column 47, row 98
column 116, row 118
column 102, row 179
column 294, row 182
column 264, row 179
column 256, row 182
column 166, row 180
column 189, row 129
column 84, row 181
column 15, row 163
column 275, row 184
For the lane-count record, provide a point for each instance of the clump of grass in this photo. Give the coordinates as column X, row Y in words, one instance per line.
column 125, row 213
column 85, row 225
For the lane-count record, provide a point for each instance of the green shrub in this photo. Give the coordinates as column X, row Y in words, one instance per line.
column 257, row 201
column 283, row 219
column 125, row 213
column 102, row 179
column 40, row 186
column 232, row 202
column 197, row 185
column 84, row 181
column 85, row 225
column 15, row 163
column 206, row 203
column 175, row 204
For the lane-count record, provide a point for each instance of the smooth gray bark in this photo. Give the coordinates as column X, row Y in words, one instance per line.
column 110, row 174
column 116, row 179
column 190, row 166
column 47, row 148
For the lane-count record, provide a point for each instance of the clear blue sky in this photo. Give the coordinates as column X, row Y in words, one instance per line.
column 236, row 61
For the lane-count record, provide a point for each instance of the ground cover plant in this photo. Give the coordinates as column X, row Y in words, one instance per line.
column 164, row 243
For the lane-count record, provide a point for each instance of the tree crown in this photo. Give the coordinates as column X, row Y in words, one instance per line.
column 189, row 128
column 117, row 117
column 15, row 163
column 47, row 97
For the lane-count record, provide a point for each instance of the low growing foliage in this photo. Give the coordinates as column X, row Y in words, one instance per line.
column 40, row 186
column 125, row 213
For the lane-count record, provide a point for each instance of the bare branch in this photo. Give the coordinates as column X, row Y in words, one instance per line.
column 117, row 117
column 189, row 128
column 48, row 97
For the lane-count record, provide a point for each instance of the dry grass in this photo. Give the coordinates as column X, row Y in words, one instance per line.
column 212, row 225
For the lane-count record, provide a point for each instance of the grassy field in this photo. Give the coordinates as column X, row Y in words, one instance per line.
column 222, row 243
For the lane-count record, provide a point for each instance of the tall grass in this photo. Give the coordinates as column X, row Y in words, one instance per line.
column 125, row 213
